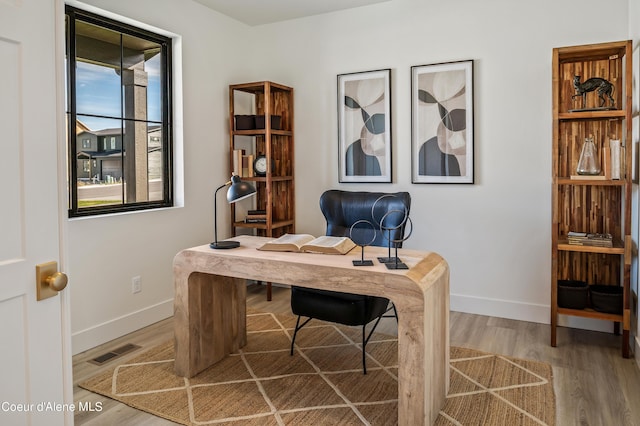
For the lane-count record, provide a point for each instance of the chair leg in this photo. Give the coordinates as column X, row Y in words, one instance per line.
column 295, row 331
column 364, row 355
column 395, row 312
column 365, row 341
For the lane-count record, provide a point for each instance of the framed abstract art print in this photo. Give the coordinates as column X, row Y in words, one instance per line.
column 442, row 123
column 364, row 126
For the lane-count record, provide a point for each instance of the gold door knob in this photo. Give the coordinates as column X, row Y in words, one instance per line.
column 57, row 281
column 49, row 281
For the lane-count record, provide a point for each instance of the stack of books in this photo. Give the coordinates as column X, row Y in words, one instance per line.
column 243, row 164
column 587, row 239
column 256, row 216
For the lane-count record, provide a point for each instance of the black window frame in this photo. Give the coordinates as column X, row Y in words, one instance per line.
column 74, row 14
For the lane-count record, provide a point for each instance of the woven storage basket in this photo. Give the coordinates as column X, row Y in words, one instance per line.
column 275, row 122
column 245, row 122
column 606, row 298
column 573, row 294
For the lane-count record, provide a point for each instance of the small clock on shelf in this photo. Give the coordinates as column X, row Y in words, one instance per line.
column 260, row 165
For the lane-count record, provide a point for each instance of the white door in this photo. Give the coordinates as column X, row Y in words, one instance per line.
column 34, row 359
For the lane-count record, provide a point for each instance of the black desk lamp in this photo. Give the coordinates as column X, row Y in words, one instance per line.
column 238, row 190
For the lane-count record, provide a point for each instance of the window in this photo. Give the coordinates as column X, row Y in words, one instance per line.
column 118, row 94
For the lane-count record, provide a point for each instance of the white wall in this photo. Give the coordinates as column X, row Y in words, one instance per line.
column 495, row 234
column 106, row 252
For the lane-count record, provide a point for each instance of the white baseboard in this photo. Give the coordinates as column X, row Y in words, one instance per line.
column 117, row 327
column 522, row 312
column 500, row 308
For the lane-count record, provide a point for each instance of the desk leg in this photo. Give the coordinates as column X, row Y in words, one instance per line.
column 209, row 321
column 423, row 356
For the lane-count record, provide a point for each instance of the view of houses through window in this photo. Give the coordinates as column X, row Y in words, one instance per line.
column 118, row 110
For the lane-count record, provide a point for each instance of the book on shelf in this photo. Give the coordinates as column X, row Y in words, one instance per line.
column 588, row 177
column 237, row 161
column 249, row 219
column 309, row 243
column 256, row 216
column 607, row 164
column 615, row 150
column 590, row 239
column 246, row 168
column 243, row 163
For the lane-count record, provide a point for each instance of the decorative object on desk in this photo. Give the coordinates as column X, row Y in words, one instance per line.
column 387, row 216
column 396, row 263
column 588, row 163
column 238, row 190
column 615, row 150
column 597, row 84
column 364, row 126
column 374, row 216
column 308, row 243
column 442, row 142
column 360, row 236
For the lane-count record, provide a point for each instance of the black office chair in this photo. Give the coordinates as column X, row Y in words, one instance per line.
column 342, row 209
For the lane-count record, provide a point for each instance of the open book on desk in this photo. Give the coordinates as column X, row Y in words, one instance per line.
column 309, row 243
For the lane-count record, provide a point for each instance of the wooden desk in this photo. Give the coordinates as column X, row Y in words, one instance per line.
column 210, row 309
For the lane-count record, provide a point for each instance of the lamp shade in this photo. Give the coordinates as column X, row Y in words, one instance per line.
column 239, row 190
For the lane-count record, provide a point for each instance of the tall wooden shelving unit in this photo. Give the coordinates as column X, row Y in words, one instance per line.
column 584, row 205
column 275, row 190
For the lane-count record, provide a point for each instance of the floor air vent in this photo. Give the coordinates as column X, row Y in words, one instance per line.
column 113, row 354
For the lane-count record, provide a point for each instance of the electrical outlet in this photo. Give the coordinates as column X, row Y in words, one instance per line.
column 136, row 285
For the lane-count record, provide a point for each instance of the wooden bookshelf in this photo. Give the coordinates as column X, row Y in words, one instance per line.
column 275, row 190
column 585, row 204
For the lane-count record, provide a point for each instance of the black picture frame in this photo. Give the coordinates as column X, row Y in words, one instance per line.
column 364, row 126
column 442, row 140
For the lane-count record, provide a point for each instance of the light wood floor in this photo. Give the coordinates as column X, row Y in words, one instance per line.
column 593, row 384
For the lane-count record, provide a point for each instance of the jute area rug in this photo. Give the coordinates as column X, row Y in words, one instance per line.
column 323, row 384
